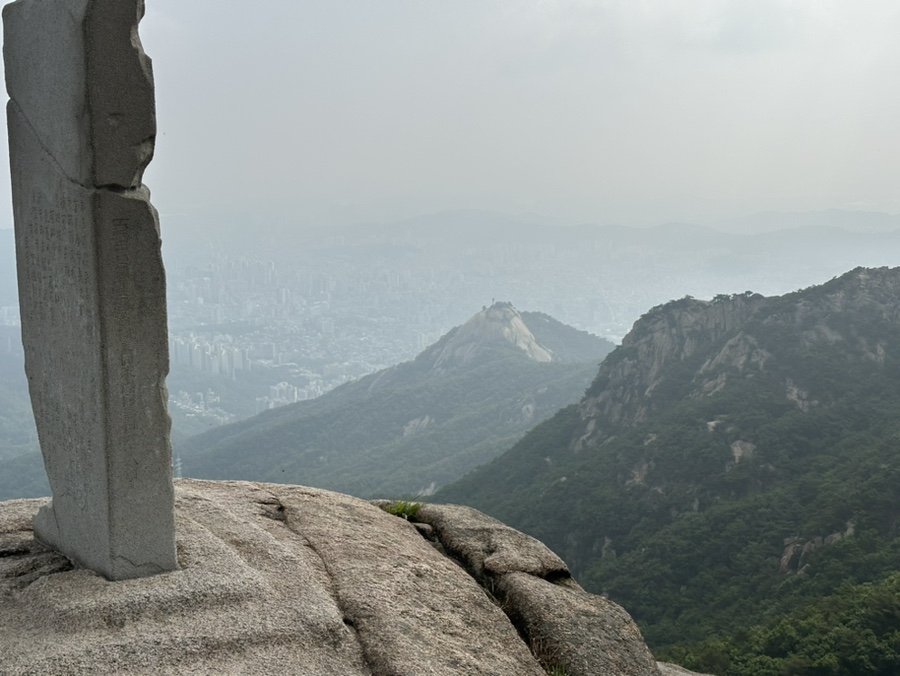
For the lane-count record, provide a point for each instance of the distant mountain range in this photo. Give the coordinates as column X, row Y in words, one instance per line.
column 419, row 425
column 732, row 478
column 596, row 277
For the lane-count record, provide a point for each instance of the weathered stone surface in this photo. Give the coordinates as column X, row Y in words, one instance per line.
column 76, row 70
column 416, row 612
column 91, row 282
column 572, row 629
column 274, row 579
column 565, row 626
column 487, row 546
column 292, row 580
column 245, row 602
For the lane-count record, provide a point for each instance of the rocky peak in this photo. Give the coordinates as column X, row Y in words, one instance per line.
column 667, row 335
column 497, row 325
column 690, row 347
column 676, row 331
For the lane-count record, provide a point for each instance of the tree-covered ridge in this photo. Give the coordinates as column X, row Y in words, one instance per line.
column 733, row 461
column 418, row 425
column 855, row 630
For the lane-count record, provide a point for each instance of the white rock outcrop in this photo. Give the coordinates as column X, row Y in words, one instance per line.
column 293, row 580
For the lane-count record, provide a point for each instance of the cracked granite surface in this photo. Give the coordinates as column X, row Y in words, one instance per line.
column 294, row 580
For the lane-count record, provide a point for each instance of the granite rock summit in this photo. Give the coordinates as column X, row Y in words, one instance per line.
column 499, row 324
column 294, row 580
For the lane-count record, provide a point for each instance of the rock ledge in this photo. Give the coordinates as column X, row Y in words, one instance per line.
column 287, row 579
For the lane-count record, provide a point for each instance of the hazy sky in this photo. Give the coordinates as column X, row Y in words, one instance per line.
column 585, row 110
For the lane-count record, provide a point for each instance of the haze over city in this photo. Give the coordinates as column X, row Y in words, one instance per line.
column 572, row 111
column 440, row 144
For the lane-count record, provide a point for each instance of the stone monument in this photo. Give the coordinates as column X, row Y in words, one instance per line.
column 82, row 127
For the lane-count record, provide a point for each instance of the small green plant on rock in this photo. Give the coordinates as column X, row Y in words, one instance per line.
column 404, row 509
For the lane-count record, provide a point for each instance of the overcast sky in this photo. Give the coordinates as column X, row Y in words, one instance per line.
column 581, row 110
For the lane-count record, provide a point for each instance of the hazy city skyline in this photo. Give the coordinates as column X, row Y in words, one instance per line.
column 574, row 110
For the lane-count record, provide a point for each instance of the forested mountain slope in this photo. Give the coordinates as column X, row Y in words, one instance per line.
column 417, row 425
column 733, row 461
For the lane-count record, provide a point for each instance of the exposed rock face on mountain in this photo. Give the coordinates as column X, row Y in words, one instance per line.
column 498, row 323
column 731, row 337
column 666, row 335
column 293, row 580
column 419, row 425
column 532, row 337
column 726, row 447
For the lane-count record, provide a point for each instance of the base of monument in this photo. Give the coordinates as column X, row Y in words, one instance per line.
column 100, row 559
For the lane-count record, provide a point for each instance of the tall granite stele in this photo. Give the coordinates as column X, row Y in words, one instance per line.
column 82, row 126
